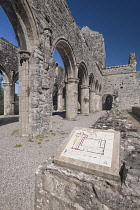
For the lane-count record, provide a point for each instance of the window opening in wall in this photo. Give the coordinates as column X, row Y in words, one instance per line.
column 58, row 93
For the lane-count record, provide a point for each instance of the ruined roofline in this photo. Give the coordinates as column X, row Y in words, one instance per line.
column 9, row 43
column 114, row 67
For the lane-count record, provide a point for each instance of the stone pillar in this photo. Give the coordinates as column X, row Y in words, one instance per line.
column 97, row 102
column 100, row 103
column 60, row 103
column 92, row 101
column 8, row 99
column 84, row 99
column 12, row 99
column 71, row 98
column 24, row 92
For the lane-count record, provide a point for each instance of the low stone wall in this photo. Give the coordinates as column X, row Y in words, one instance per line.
column 136, row 111
column 61, row 188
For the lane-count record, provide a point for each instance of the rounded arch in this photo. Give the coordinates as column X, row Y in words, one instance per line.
column 83, row 73
column 23, row 22
column 66, row 52
column 92, row 82
column 107, row 101
column 5, row 76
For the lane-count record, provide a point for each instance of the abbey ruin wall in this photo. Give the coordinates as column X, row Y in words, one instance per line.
column 125, row 81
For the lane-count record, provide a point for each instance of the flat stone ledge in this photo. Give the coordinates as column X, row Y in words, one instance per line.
column 91, row 150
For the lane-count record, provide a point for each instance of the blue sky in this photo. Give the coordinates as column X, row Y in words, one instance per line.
column 118, row 21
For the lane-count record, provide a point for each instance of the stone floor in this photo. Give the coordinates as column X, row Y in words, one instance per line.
column 20, row 157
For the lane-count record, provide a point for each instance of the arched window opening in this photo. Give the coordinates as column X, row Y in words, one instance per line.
column 107, row 101
column 6, row 28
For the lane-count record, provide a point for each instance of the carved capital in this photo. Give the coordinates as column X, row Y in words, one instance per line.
column 84, row 87
column 24, row 56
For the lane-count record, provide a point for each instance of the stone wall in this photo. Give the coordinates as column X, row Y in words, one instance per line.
column 9, row 60
column 63, row 188
column 125, row 81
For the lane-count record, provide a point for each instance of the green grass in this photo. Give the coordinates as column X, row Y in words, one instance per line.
column 38, row 136
column 14, row 132
column 18, row 145
column 30, row 140
column 46, row 140
column 39, row 142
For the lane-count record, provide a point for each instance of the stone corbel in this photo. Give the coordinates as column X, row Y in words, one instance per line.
column 24, row 56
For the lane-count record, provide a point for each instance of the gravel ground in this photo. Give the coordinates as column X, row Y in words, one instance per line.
column 20, row 157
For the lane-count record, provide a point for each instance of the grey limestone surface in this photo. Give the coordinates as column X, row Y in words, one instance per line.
column 18, row 164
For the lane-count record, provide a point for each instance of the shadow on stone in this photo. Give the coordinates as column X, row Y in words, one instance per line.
column 134, row 116
column 61, row 114
column 8, row 120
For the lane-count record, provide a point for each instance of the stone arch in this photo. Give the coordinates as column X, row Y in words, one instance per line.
column 5, row 76
column 107, row 101
column 67, row 55
column 25, row 27
column 66, row 52
column 83, row 89
column 83, row 73
column 23, row 22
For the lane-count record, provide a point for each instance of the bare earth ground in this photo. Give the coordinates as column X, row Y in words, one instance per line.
column 20, row 157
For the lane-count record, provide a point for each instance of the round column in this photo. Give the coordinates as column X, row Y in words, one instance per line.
column 84, row 99
column 60, row 100
column 71, row 98
column 92, row 101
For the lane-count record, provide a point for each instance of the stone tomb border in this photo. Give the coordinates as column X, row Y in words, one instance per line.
column 91, row 150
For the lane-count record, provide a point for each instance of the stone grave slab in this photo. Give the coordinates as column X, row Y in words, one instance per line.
column 91, row 150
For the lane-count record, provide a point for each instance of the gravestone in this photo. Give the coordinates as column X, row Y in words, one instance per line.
column 91, row 150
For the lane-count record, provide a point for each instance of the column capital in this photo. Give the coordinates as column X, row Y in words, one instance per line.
column 84, row 87
column 7, row 84
column 91, row 90
column 24, row 56
column 72, row 80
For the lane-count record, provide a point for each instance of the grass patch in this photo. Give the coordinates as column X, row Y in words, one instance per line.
column 38, row 136
column 51, row 131
column 39, row 142
column 14, row 132
column 30, row 140
column 18, row 145
column 53, row 134
column 46, row 140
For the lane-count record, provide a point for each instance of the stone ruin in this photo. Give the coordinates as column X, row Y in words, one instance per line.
column 40, row 27
column 87, row 79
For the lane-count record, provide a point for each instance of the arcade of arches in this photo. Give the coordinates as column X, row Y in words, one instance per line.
column 83, row 53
